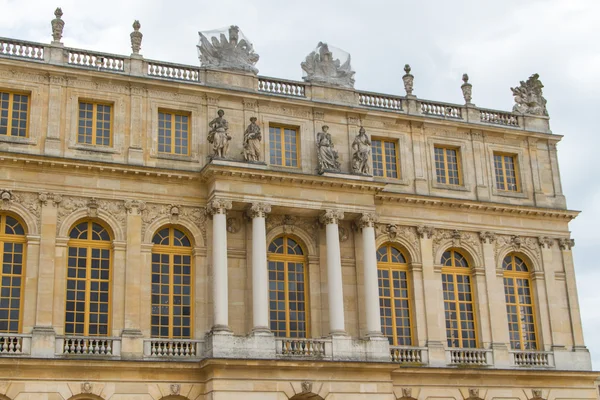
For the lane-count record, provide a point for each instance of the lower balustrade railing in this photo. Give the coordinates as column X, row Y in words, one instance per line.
column 532, row 358
column 173, row 348
column 88, row 346
column 469, row 357
column 303, row 348
column 409, row 355
column 14, row 344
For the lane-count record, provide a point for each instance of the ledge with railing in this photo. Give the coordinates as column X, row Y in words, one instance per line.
column 409, row 355
column 89, row 346
column 532, row 358
column 469, row 357
column 12, row 344
column 180, row 349
column 136, row 65
column 303, row 348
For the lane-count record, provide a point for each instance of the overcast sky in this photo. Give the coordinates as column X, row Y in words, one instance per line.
column 498, row 45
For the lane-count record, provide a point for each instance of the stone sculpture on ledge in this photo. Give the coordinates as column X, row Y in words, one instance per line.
column 529, row 98
column 235, row 54
column 252, row 138
column 322, row 66
column 218, row 135
column 362, row 153
column 327, row 156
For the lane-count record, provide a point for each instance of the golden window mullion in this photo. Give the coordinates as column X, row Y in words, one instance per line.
column 504, row 177
column 11, row 98
column 446, row 166
column 172, row 151
column 171, row 317
column 283, row 158
column 88, row 272
column 286, row 294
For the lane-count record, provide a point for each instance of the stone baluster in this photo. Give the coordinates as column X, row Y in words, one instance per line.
column 330, row 219
column 260, row 278
column 217, row 208
column 367, row 224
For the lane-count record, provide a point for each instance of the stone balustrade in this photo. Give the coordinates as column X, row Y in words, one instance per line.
column 440, row 109
column 14, row 344
column 532, row 358
column 173, row 348
column 469, row 357
column 88, row 346
column 409, row 355
column 376, row 100
column 159, row 69
column 302, row 348
column 101, row 61
column 283, row 87
column 499, row 118
column 20, row 48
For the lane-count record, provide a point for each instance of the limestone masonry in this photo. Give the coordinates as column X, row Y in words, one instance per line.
column 179, row 232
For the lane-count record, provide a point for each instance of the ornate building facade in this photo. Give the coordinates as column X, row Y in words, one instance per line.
column 186, row 233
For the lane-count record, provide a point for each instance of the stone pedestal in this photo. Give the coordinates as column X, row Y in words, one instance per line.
column 43, row 340
column 226, row 345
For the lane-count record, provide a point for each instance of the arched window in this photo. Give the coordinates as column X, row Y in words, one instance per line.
column 288, row 305
column 459, row 307
column 394, row 296
column 171, row 315
column 88, row 280
column 519, row 303
column 12, row 254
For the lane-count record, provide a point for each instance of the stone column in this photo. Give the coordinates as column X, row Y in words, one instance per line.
column 495, row 301
column 218, row 209
column 434, row 303
column 367, row 224
column 132, row 344
column 260, row 276
column 43, row 334
column 330, row 219
column 567, row 256
column 555, row 313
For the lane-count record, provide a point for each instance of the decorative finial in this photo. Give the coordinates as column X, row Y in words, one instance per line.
column 57, row 26
column 136, row 37
column 408, row 79
column 466, row 89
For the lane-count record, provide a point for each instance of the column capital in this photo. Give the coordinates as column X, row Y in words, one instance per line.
column 134, row 206
column 331, row 216
column 545, row 242
column 367, row 220
column 566, row 243
column 487, row 237
column 218, row 206
column 258, row 210
column 425, row 231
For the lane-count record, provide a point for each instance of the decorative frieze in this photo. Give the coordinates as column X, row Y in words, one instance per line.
column 456, row 238
column 395, row 232
column 518, row 243
column 289, row 111
column 70, row 204
column 289, row 222
column 175, row 213
column 29, row 200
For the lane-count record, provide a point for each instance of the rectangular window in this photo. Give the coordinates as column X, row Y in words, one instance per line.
column 447, row 165
column 283, row 146
column 95, row 124
column 14, row 108
column 385, row 158
column 173, row 133
column 506, row 174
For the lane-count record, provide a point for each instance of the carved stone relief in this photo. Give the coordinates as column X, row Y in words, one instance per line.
column 457, row 238
column 393, row 232
column 196, row 215
column 529, row 98
column 235, row 53
column 321, row 66
column 516, row 243
column 70, row 204
column 31, row 201
column 233, row 225
column 289, row 222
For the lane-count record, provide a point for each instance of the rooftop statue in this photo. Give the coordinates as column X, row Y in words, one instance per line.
column 528, row 97
column 323, row 66
column 235, row 53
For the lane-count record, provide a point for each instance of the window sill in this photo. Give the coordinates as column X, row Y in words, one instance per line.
column 18, row 140
column 445, row 186
column 94, row 149
column 391, row 181
column 174, row 157
column 504, row 193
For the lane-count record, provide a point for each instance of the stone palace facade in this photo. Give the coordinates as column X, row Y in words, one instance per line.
column 172, row 232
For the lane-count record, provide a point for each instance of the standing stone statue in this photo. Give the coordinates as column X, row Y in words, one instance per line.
column 218, row 135
column 327, row 156
column 252, row 138
column 362, row 153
